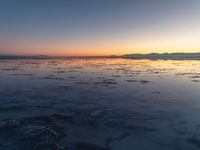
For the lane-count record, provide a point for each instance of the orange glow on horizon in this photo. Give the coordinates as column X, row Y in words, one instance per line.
column 97, row 49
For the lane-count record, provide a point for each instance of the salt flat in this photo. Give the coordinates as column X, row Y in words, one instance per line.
column 99, row 104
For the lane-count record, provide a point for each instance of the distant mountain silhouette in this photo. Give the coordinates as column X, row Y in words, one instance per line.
column 152, row 56
column 174, row 56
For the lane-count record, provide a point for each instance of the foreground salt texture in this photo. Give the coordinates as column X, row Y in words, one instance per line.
column 99, row 104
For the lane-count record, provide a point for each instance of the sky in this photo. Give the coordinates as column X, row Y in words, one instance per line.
column 98, row 27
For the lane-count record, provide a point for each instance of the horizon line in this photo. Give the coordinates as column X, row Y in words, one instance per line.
column 44, row 55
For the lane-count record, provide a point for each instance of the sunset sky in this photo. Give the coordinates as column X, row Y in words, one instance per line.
column 98, row 27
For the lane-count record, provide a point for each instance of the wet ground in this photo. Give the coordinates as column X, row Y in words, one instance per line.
column 99, row 104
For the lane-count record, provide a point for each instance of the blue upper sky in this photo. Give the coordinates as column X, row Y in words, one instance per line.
column 78, row 26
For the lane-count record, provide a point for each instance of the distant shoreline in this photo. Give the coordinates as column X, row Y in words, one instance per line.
column 165, row 56
column 152, row 56
column 53, row 57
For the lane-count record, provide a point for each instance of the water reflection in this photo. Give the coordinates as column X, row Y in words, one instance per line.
column 98, row 104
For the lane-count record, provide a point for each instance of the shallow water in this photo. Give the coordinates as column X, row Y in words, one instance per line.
column 99, row 104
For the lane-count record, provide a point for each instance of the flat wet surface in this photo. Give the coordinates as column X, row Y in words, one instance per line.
column 99, row 104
